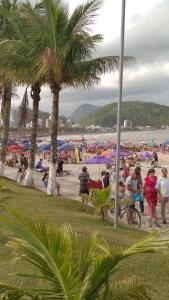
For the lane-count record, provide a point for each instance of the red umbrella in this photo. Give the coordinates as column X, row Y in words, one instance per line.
column 15, row 147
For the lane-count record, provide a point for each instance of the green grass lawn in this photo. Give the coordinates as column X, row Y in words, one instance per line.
column 154, row 268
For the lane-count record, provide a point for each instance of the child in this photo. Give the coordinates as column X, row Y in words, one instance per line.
column 21, row 175
column 122, row 189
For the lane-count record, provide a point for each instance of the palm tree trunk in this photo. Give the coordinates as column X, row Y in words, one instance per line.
column 55, row 88
column 6, row 102
column 35, row 94
column 102, row 212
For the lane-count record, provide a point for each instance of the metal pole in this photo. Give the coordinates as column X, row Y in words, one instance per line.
column 119, row 110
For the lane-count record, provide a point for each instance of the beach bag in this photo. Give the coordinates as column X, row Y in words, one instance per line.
column 137, row 197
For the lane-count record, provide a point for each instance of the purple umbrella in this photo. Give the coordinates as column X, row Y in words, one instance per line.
column 113, row 154
column 98, row 160
column 145, row 155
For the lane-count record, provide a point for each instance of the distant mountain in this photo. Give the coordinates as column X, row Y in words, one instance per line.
column 83, row 111
column 140, row 113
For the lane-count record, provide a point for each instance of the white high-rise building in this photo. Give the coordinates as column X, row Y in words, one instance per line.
column 14, row 117
column 127, row 124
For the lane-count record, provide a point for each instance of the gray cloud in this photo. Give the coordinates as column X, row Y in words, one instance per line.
column 147, row 36
column 147, row 39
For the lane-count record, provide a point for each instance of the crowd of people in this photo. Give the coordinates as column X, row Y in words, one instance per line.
column 150, row 189
column 22, row 166
column 132, row 184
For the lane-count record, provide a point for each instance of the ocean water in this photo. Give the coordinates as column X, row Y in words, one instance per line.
column 134, row 136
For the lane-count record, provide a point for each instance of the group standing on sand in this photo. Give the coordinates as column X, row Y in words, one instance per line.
column 152, row 189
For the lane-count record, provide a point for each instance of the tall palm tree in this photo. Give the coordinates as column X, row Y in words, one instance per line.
column 66, row 54
column 63, row 52
column 71, row 268
column 6, row 7
column 21, row 65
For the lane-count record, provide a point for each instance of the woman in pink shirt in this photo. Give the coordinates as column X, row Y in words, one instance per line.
column 150, row 193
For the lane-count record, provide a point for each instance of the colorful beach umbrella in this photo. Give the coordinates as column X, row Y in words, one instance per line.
column 112, row 154
column 98, row 160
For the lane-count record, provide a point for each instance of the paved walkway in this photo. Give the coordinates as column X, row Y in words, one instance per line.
column 70, row 186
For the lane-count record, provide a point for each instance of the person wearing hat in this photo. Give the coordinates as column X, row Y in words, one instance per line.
column 84, row 179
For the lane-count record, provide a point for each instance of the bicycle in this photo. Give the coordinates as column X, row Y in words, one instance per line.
column 127, row 212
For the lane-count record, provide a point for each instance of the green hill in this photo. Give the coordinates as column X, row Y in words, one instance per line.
column 140, row 113
column 83, row 111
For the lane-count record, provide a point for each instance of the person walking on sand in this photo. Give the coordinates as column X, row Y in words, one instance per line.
column 132, row 190
column 140, row 187
column 84, row 179
column 106, row 180
column 150, row 193
column 162, row 187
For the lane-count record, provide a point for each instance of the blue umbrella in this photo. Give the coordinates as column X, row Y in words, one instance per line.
column 166, row 143
column 45, row 148
column 60, row 142
column 66, row 146
column 11, row 142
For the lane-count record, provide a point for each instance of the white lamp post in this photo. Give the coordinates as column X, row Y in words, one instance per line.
column 119, row 110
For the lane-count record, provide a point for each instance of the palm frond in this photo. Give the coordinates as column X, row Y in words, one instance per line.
column 101, row 198
column 83, row 72
column 13, row 293
column 128, row 289
column 23, row 112
column 49, row 251
column 90, row 250
column 83, row 16
column 101, row 274
column 152, row 244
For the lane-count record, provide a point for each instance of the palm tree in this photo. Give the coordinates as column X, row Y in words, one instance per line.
column 6, row 7
column 101, row 200
column 21, row 68
column 66, row 54
column 71, row 268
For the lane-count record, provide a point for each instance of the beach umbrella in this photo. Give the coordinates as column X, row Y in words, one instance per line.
column 60, row 142
column 66, row 147
column 98, row 160
column 151, row 144
column 166, row 143
column 12, row 142
column 45, row 147
column 113, row 154
column 15, row 147
column 44, row 143
column 145, row 155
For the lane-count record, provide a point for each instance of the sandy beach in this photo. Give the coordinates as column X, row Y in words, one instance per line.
column 70, row 183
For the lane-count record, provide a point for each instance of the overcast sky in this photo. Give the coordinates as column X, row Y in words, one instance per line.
column 147, row 39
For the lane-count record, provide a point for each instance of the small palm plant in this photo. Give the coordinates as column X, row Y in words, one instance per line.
column 101, row 200
column 71, row 268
